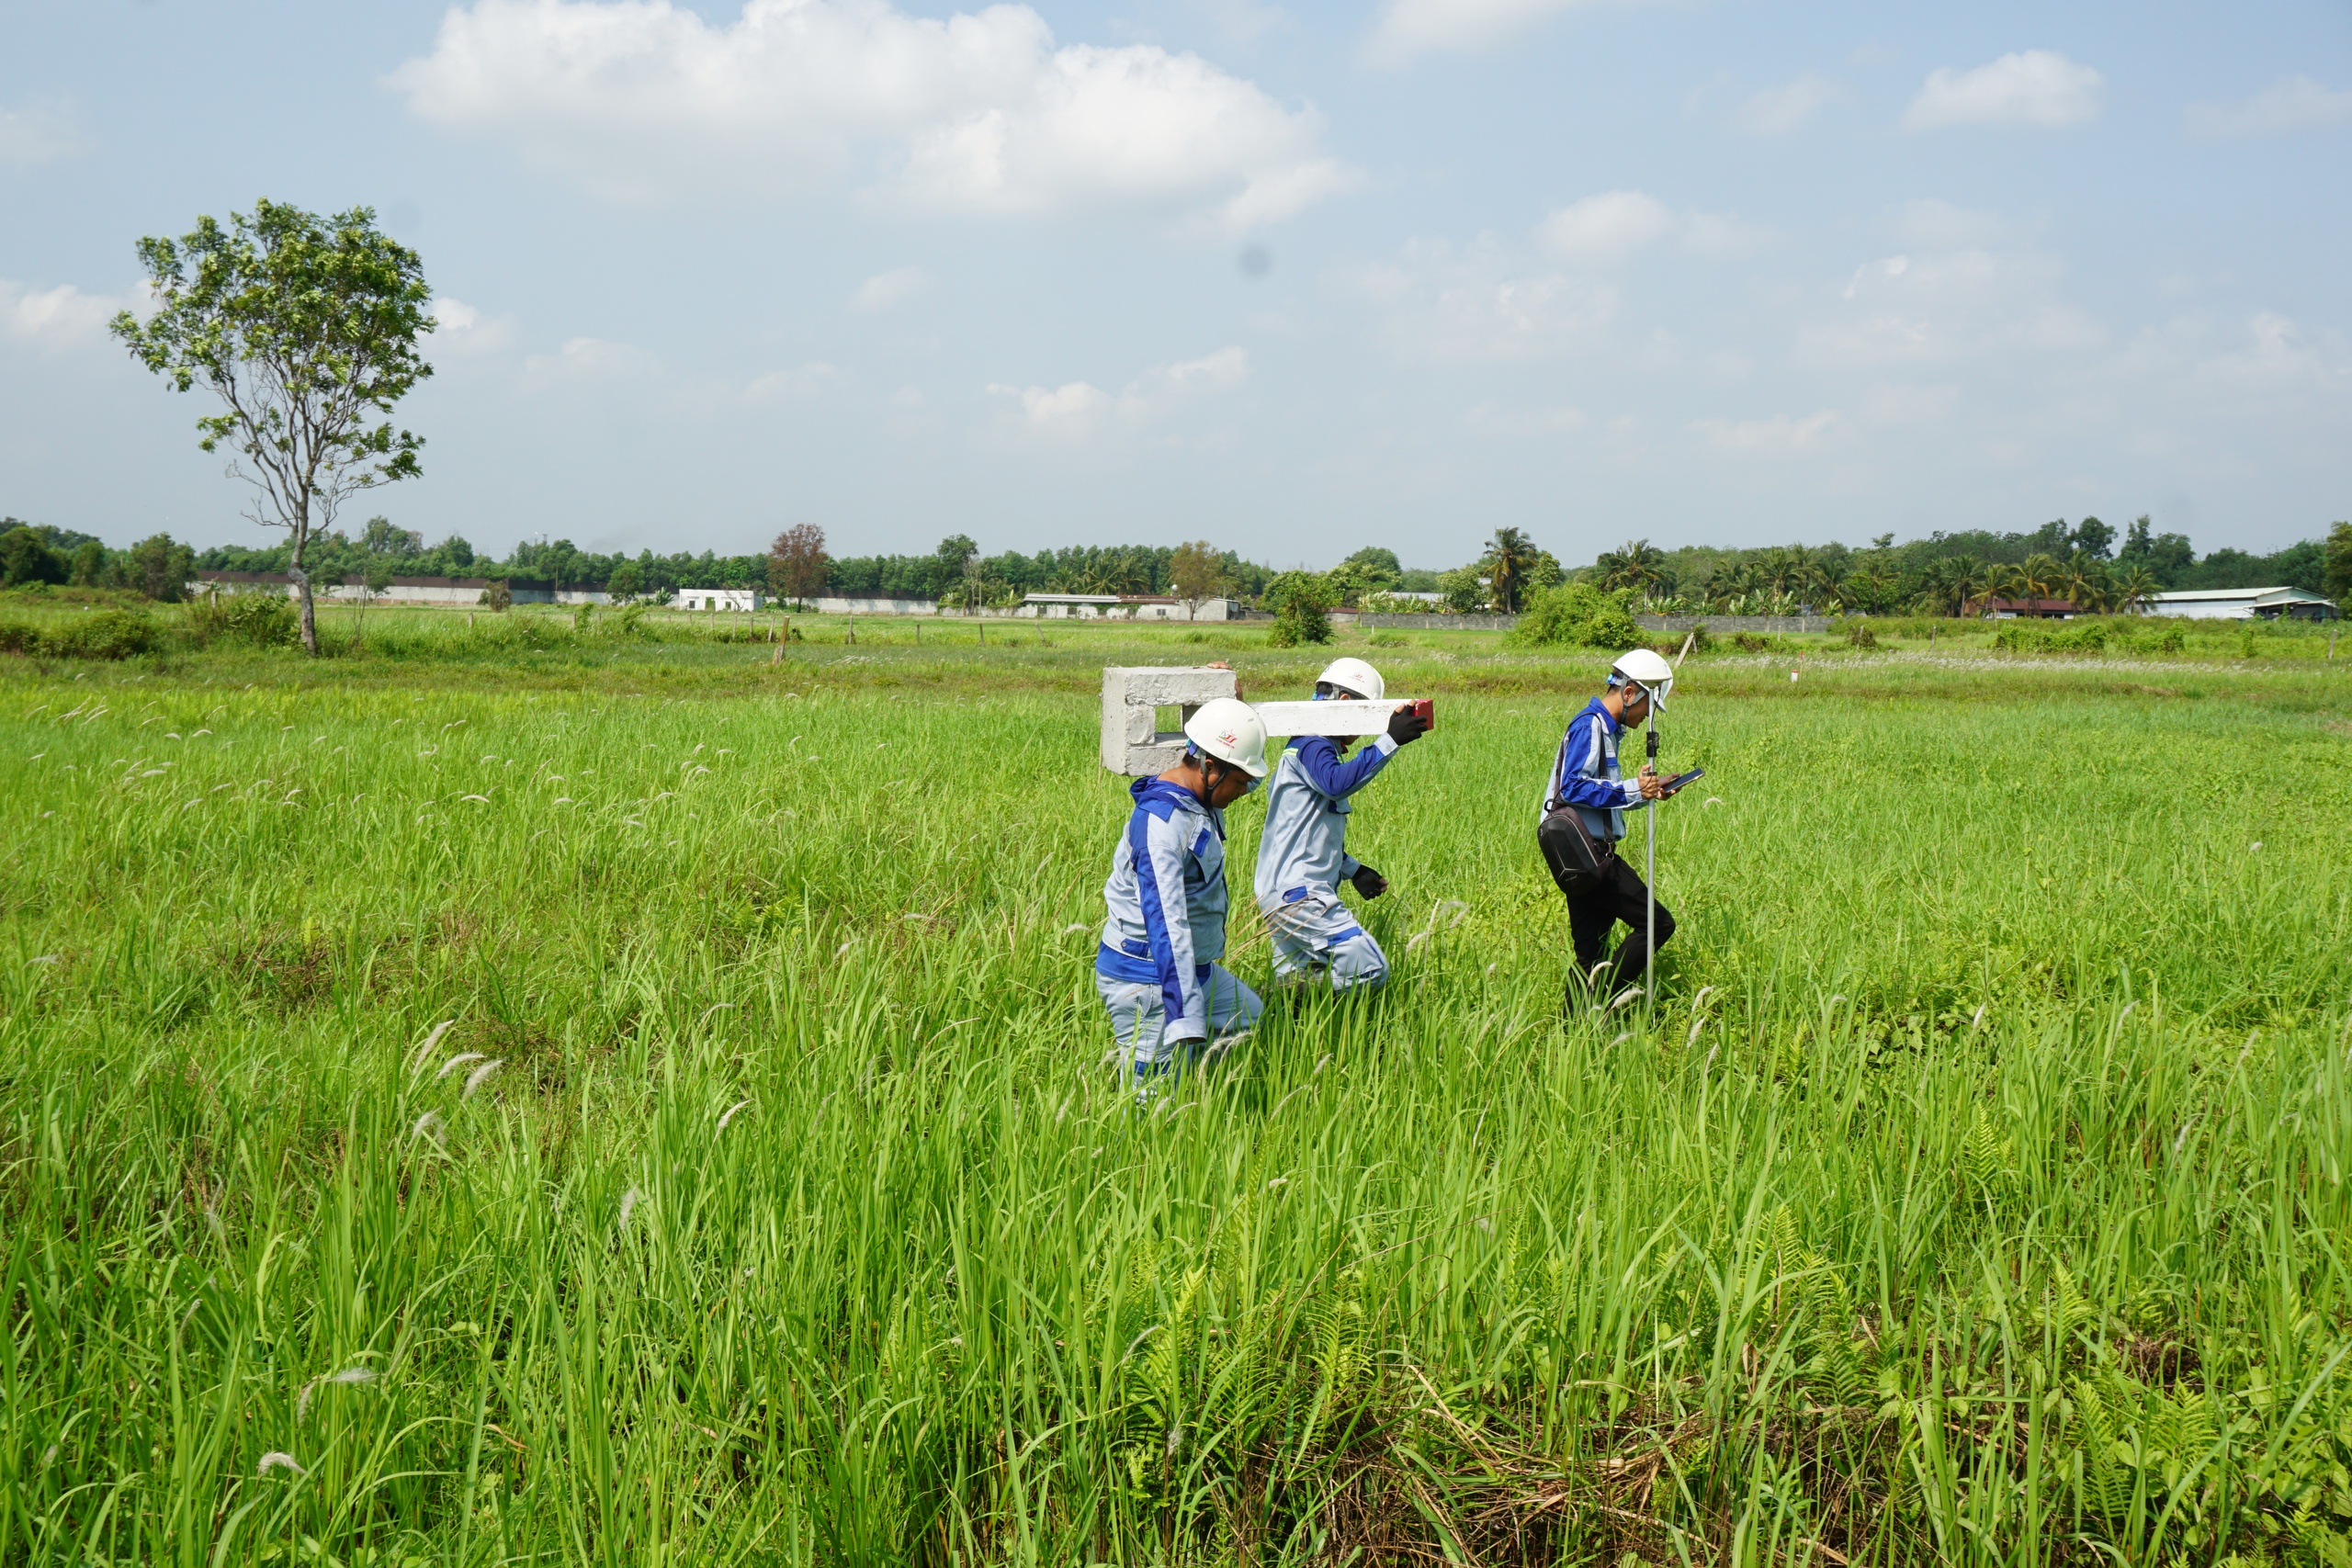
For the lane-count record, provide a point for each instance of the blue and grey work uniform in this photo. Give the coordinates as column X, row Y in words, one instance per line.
column 1303, row 856
column 1585, row 774
column 1157, row 967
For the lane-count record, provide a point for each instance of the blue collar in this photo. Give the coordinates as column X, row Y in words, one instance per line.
column 1150, row 789
column 1597, row 706
column 1160, row 789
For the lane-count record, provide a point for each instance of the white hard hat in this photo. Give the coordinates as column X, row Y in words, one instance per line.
column 1231, row 731
column 1645, row 669
column 1356, row 676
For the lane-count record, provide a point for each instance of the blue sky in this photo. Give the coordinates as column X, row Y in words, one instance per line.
column 1296, row 278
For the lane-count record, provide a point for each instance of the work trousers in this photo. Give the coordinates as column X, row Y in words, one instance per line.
column 1621, row 895
column 1139, row 1017
column 1315, row 936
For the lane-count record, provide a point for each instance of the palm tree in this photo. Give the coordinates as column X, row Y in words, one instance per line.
column 2004, row 579
column 2086, row 579
column 2136, row 587
column 1507, row 559
column 1954, row 581
column 1636, row 564
column 2041, row 576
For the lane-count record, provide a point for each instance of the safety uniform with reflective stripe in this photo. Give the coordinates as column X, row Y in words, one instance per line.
column 1306, row 841
column 1167, row 899
column 1585, row 773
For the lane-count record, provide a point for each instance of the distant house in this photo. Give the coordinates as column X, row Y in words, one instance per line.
column 1125, row 607
column 2244, row 605
column 2002, row 609
column 736, row 599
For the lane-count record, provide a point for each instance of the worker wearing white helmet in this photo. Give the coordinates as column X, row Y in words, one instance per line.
column 1169, row 1000
column 1303, row 855
column 1585, row 777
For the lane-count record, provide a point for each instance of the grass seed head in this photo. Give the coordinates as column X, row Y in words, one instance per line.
column 480, row 1076
column 276, row 1460
column 454, row 1063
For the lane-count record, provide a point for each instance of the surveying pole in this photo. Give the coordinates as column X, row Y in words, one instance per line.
column 1649, row 878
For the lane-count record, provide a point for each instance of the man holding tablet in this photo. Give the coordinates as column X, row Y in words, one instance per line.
column 1585, row 803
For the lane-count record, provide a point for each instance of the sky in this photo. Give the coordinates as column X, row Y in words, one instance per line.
column 1293, row 278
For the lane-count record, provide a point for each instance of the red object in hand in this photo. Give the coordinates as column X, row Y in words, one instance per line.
column 1426, row 711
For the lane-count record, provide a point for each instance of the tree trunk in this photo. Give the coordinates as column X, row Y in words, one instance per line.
column 309, row 613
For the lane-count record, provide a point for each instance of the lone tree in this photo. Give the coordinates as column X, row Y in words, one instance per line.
column 306, row 328
column 1197, row 571
column 798, row 562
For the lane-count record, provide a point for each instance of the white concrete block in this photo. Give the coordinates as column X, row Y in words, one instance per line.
column 1132, row 745
column 1328, row 718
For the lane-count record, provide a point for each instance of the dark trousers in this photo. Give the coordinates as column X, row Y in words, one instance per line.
column 1619, row 895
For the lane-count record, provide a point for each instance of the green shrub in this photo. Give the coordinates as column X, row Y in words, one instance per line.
column 1755, row 642
column 106, row 634
column 1575, row 615
column 1860, row 634
column 19, row 636
column 1299, row 599
column 256, row 620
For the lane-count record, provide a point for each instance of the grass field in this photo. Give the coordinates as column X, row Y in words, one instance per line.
column 616, row 1102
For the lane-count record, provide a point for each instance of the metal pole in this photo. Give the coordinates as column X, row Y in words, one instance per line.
column 1649, row 883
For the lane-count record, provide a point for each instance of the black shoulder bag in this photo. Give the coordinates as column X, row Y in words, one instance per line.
column 1577, row 861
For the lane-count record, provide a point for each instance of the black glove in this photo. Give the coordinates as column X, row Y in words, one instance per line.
column 1405, row 725
column 1369, row 883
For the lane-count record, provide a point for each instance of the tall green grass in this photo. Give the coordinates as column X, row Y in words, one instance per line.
column 565, row 1123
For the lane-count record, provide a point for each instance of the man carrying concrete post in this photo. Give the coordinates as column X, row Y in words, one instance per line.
column 1303, row 856
column 1585, row 803
column 1170, row 1002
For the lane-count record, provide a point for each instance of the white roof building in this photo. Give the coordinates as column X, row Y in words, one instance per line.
column 2242, row 605
column 738, row 599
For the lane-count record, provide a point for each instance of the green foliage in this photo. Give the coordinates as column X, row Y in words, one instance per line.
column 2339, row 566
column 1968, row 1193
column 305, row 330
column 2051, row 637
column 1464, row 589
column 100, row 634
column 24, row 558
column 497, row 596
column 251, row 620
column 1300, row 600
column 1576, row 614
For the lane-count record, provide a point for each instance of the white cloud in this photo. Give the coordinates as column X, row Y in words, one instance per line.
column 975, row 112
column 2032, row 88
column 1776, row 111
column 1932, row 225
column 586, row 362
column 1605, row 229
column 1077, row 407
column 459, row 328
column 1938, row 307
column 800, row 383
column 885, row 289
column 60, row 317
column 1483, row 303
column 1410, row 27
column 1779, row 436
column 40, row 133
column 2291, row 103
